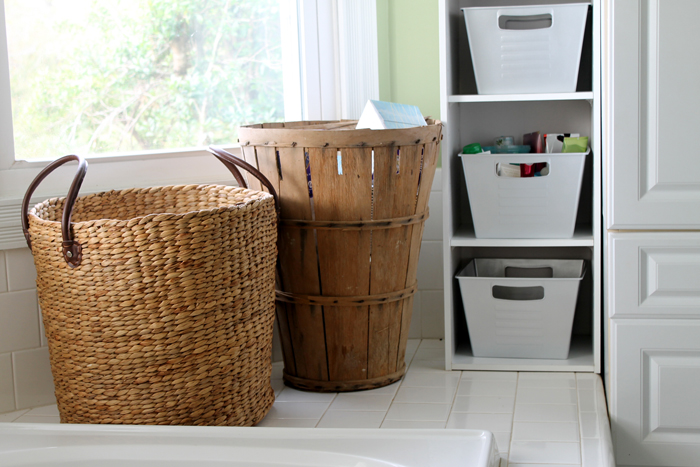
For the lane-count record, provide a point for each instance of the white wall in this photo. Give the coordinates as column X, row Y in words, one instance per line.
column 428, row 321
column 25, row 374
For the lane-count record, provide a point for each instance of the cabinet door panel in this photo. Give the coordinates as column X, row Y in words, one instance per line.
column 656, row 380
column 654, row 275
column 654, row 174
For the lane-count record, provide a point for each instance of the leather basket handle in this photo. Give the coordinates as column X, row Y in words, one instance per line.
column 72, row 251
column 231, row 161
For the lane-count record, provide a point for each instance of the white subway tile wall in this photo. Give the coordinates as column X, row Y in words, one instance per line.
column 21, row 271
column 19, row 321
column 430, row 266
column 428, row 320
column 415, row 331
column 25, row 372
column 7, row 390
column 10, row 417
column 42, row 331
column 3, row 273
column 33, row 380
column 22, row 337
column 433, row 226
column 432, row 314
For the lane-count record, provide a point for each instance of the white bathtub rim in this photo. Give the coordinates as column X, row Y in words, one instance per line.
column 375, row 447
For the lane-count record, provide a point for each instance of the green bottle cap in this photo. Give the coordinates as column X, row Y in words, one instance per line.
column 474, row 148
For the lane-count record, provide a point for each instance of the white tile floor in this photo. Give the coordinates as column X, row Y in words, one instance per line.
column 538, row 419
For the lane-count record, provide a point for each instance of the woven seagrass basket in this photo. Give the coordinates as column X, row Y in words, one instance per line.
column 353, row 206
column 158, row 303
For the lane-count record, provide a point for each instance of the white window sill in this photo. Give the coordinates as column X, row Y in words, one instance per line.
column 185, row 167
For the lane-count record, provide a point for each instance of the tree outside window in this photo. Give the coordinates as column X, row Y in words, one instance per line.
column 119, row 76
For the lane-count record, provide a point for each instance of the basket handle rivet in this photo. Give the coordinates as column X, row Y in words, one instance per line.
column 69, row 254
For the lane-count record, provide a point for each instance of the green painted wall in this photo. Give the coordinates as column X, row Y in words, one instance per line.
column 409, row 64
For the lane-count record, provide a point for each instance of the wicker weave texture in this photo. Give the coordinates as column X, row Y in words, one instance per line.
column 169, row 318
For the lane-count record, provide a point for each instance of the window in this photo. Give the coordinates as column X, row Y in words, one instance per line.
column 124, row 76
column 328, row 70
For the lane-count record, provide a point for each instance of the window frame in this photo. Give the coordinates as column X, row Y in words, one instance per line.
column 145, row 168
column 319, row 55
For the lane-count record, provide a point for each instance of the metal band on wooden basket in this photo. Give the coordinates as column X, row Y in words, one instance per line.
column 335, row 134
column 354, row 300
column 376, row 224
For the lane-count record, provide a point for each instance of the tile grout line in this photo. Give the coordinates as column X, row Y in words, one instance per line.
column 7, row 272
column 14, row 379
column 385, row 411
column 599, row 452
column 393, row 397
column 512, row 418
column 325, row 411
column 580, row 422
column 4, row 266
column 578, row 413
column 454, row 399
column 26, row 411
column 22, row 414
column 578, row 416
column 41, row 318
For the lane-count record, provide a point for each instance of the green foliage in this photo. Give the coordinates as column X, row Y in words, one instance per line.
column 122, row 76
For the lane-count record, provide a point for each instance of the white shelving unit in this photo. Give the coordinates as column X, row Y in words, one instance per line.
column 470, row 117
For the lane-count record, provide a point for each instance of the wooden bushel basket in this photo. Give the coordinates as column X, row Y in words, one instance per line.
column 353, row 207
column 158, row 303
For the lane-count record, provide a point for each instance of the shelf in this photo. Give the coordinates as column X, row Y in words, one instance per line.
column 559, row 96
column 464, row 236
column 580, row 359
column 471, row 117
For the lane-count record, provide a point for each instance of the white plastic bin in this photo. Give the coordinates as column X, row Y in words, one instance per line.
column 534, row 207
column 520, row 308
column 511, row 57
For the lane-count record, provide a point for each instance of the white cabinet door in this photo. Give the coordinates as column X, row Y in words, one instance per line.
column 656, row 388
column 653, row 115
column 654, row 275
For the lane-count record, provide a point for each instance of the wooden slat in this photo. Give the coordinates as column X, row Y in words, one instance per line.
column 343, row 124
column 308, row 340
column 394, row 196
column 343, row 197
column 299, row 269
column 344, row 255
column 430, row 156
column 384, row 334
column 346, row 334
column 249, row 155
column 267, row 164
column 406, row 317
